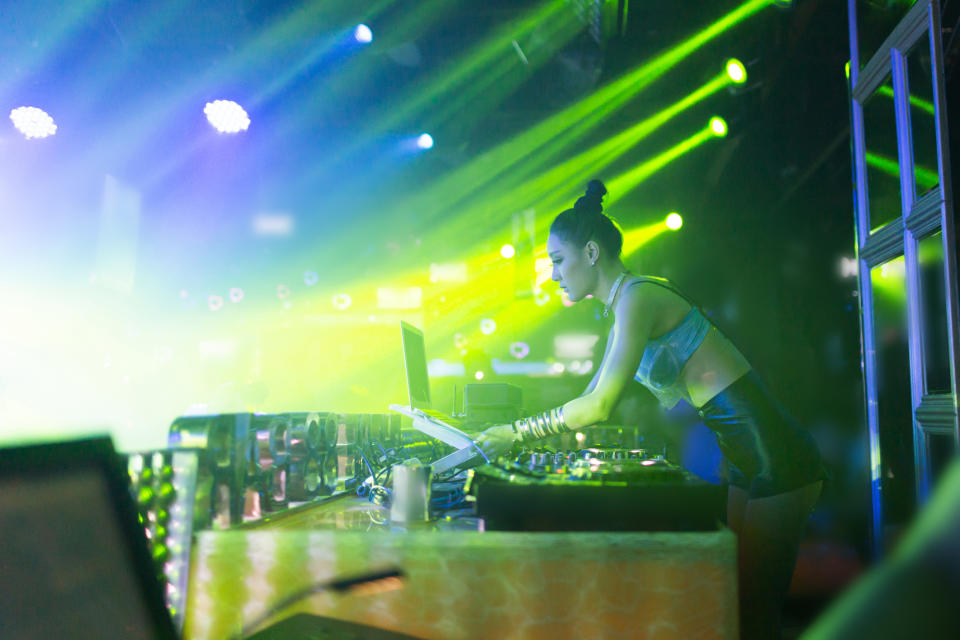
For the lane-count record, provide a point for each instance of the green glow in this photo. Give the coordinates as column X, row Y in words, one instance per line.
column 674, row 221
column 918, row 103
column 634, row 239
column 719, row 126
column 622, row 184
column 926, row 178
column 736, row 71
column 590, row 162
column 551, row 189
column 553, row 137
column 889, row 282
column 580, row 118
column 145, row 495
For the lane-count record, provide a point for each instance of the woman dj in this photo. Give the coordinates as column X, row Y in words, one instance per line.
column 663, row 341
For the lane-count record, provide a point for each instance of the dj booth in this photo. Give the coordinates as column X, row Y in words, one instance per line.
column 462, row 582
column 564, row 541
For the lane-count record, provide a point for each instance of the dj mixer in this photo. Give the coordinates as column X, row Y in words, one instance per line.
column 593, row 490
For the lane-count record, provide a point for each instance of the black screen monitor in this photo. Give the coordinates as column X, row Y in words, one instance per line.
column 74, row 561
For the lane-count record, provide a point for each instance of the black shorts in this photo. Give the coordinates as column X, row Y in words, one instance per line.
column 767, row 452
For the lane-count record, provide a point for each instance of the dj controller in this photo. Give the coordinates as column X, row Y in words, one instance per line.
column 607, row 489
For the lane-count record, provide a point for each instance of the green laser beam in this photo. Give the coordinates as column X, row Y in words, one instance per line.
column 926, row 178
column 625, row 182
column 921, row 104
column 547, row 190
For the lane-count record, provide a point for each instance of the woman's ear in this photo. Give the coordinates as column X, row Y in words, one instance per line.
column 593, row 252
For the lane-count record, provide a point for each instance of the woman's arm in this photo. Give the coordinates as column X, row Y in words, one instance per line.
column 628, row 338
column 596, row 376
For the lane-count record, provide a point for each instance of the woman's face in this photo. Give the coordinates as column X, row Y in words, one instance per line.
column 571, row 268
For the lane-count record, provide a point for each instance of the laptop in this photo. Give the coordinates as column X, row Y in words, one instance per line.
column 445, row 428
column 77, row 563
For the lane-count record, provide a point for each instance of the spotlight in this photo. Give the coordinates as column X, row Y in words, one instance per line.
column 425, row 141
column 226, row 116
column 507, row 251
column 674, row 221
column 719, row 126
column 736, row 71
column 478, row 375
column 487, row 326
column 363, row 34
column 33, row 122
column 342, row 301
column 519, row 350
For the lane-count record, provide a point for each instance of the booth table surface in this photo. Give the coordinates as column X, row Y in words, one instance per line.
column 469, row 584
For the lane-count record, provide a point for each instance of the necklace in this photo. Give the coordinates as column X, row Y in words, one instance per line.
column 613, row 293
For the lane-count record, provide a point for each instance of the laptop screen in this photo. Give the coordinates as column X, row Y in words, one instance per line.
column 415, row 364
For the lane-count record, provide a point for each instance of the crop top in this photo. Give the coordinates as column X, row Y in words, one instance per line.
column 665, row 356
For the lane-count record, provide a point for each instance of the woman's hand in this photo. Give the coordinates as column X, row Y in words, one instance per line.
column 497, row 441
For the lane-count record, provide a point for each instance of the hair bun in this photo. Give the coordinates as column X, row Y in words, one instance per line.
column 596, row 188
column 592, row 201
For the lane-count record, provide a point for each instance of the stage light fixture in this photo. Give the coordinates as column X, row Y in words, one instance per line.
column 363, row 34
column 33, row 122
column 718, row 126
column 227, row 116
column 425, row 141
column 519, row 350
column 507, row 251
column 488, row 326
column 736, row 71
column 342, row 301
column 674, row 221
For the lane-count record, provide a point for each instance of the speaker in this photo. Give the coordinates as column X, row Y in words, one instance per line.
column 494, row 402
